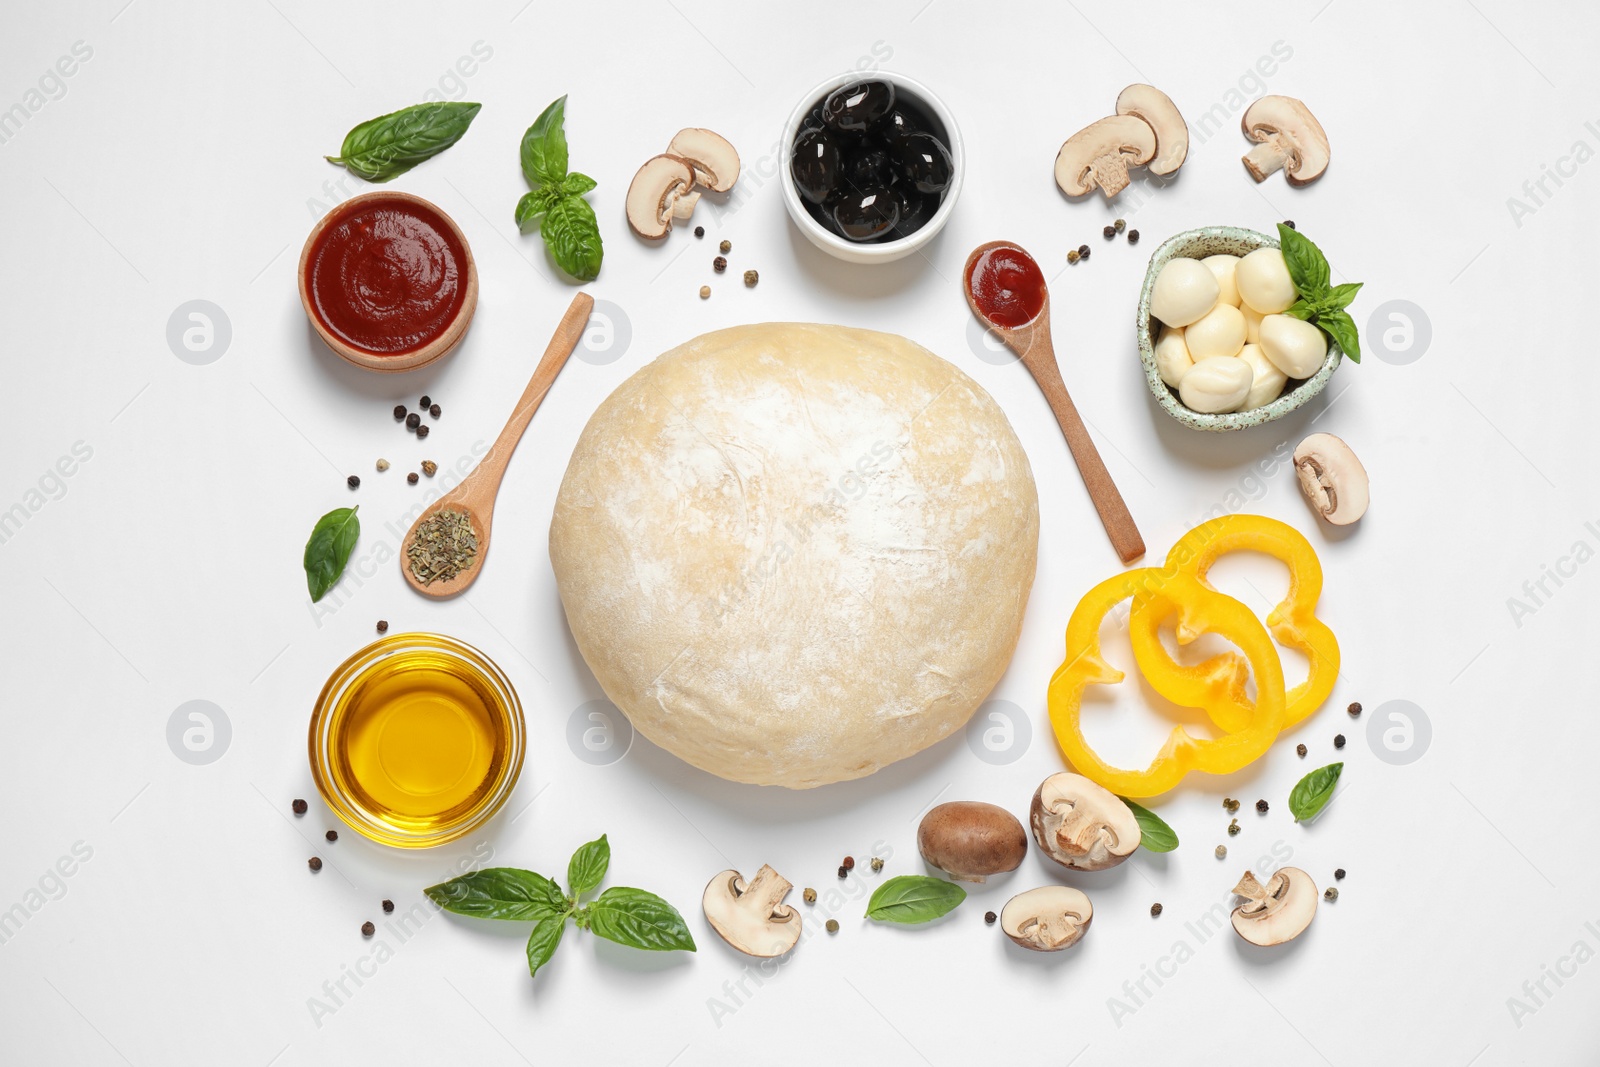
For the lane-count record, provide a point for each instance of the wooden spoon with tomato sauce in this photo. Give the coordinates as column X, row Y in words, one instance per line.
column 1006, row 290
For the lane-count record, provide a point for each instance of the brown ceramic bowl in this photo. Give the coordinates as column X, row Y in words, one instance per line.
column 411, row 359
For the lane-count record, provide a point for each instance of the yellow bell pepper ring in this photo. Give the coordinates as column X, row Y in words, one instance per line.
column 1220, row 680
column 1161, row 596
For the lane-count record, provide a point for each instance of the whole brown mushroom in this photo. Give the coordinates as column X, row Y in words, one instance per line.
column 970, row 840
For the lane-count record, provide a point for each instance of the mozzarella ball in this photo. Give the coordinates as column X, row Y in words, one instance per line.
column 1252, row 324
column 1215, row 385
column 1184, row 291
column 1264, row 282
column 1222, row 269
column 1220, row 332
column 1172, row 356
column 1293, row 345
column 1267, row 380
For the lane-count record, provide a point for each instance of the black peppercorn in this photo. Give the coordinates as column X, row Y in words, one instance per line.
column 1261, row 806
column 1300, row 750
column 413, row 420
column 411, row 479
column 353, row 482
column 424, row 402
column 434, row 410
column 1338, row 874
column 422, row 431
column 383, row 626
column 989, row 917
column 1354, row 709
column 1155, row 909
column 299, row 807
column 399, row 412
column 314, row 863
column 1133, row 237
column 843, row 871
column 388, row 906
column 1083, row 250
column 1338, row 740
column 367, row 929
column 332, row 835
column 1108, row 232
column 1289, row 223
column 719, row 264
column 699, row 231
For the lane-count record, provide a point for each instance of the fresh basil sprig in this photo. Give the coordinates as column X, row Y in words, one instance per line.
column 556, row 204
column 629, row 917
column 332, row 540
column 1319, row 304
column 390, row 145
column 1312, row 793
column 1154, row 833
column 914, row 898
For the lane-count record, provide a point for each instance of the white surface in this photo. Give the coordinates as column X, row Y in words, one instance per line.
column 178, row 165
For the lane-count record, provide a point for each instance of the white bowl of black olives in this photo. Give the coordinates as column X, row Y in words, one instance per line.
column 874, row 166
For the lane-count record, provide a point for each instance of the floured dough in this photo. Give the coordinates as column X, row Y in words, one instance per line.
column 793, row 553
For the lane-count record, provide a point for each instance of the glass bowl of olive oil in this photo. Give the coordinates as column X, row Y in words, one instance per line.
column 416, row 740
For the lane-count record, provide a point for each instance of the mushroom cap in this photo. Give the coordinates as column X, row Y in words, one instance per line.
column 970, row 840
column 1332, row 478
column 752, row 917
column 715, row 162
column 1117, row 135
column 1297, row 131
column 1047, row 919
column 1284, row 908
column 654, row 192
column 1081, row 824
column 1157, row 109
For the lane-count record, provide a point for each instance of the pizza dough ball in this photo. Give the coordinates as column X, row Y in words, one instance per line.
column 792, row 553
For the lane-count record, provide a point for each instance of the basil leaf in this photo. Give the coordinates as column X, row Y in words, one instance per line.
column 588, row 866
column 390, row 145
column 573, row 237
column 1301, row 309
column 544, row 146
column 1339, row 296
column 1154, row 833
column 637, row 919
column 534, row 204
column 544, row 941
column 332, row 540
column 501, row 893
column 914, row 898
column 577, row 184
column 1342, row 328
column 1308, row 267
column 1313, row 792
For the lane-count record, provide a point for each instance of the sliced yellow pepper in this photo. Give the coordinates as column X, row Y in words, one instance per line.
column 1161, row 595
column 1293, row 622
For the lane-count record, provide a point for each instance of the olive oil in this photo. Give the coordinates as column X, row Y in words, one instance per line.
column 418, row 742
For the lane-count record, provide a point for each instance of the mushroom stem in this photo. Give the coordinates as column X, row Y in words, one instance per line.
column 1266, row 158
column 769, row 887
column 1250, row 888
column 1111, row 173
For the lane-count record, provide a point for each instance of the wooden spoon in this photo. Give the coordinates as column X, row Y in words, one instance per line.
column 475, row 495
column 1031, row 341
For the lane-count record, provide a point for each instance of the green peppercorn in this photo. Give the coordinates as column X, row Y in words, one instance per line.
column 832, row 926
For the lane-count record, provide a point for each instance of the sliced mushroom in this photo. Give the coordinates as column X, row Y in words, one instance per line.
column 970, row 840
column 1047, row 919
column 1157, row 109
column 1278, row 911
column 653, row 196
column 1082, row 825
column 1099, row 155
column 752, row 918
column 715, row 163
column 1332, row 478
column 1287, row 136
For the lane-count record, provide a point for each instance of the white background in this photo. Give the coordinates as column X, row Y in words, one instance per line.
column 183, row 161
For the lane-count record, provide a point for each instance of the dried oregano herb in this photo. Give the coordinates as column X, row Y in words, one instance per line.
column 444, row 546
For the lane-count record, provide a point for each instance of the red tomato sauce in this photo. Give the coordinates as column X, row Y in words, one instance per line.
column 387, row 276
column 1007, row 286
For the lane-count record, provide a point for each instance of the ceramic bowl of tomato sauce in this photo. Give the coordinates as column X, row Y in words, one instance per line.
column 388, row 281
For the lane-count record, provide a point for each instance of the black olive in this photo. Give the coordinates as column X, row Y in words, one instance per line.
column 915, row 210
column 868, row 168
column 861, row 215
column 922, row 161
column 815, row 164
column 856, row 108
